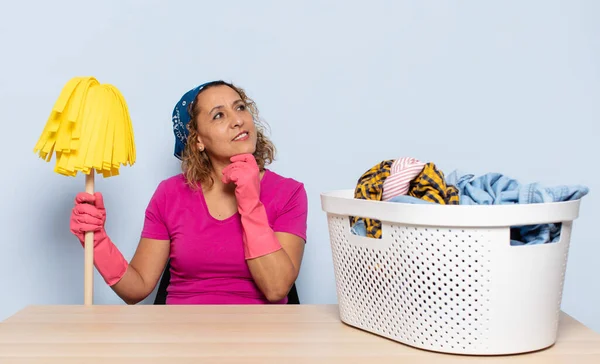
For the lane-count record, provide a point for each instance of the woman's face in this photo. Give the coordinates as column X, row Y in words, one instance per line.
column 225, row 125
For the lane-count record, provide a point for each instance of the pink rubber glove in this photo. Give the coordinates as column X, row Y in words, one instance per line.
column 89, row 215
column 259, row 238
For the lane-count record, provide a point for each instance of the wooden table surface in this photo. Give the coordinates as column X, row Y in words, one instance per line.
column 234, row 334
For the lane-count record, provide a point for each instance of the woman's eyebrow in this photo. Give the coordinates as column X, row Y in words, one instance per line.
column 221, row 106
column 215, row 108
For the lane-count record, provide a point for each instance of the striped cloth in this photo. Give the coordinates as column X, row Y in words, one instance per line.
column 402, row 172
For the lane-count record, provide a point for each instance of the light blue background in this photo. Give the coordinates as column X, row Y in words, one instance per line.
column 506, row 86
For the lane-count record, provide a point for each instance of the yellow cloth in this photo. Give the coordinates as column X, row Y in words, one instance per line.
column 430, row 185
column 370, row 187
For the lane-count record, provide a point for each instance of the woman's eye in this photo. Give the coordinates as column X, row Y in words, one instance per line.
column 242, row 107
column 218, row 115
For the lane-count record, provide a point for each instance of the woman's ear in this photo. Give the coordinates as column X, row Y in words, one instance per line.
column 199, row 144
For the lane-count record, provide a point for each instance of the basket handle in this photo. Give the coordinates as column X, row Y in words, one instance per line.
column 385, row 242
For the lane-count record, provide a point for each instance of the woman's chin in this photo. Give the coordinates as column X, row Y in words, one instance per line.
column 244, row 149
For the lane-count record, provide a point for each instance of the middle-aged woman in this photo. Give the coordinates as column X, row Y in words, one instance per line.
column 233, row 230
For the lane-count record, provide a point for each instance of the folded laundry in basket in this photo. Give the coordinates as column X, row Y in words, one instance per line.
column 497, row 189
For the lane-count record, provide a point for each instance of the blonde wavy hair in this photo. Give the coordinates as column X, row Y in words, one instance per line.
column 196, row 165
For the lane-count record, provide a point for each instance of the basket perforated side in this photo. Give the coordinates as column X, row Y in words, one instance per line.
column 429, row 288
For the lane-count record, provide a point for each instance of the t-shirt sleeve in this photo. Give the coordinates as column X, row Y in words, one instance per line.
column 293, row 216
column 154, row 221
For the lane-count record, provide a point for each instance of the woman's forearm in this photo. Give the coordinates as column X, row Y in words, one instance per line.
column 144, row 271
column 132, row 288
column 274, row 274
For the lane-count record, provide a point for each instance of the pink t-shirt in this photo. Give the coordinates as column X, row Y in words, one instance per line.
column 207, row 255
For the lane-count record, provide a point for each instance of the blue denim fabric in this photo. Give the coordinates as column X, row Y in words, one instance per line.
column 410, row 199
column 497, row 189
column 359, row 228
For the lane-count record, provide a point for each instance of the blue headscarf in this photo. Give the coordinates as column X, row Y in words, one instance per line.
column 181, row 118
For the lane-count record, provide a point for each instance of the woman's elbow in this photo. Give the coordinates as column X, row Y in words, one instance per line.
column 277, row 293
column 133, row 298
column 132, row 301
column 274, row 296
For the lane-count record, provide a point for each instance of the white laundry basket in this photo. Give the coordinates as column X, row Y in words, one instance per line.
column 445, row 278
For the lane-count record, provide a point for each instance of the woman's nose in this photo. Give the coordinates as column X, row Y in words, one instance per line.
column 238, row 121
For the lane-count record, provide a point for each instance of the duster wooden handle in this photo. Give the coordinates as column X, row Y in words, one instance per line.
column 88, row 283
